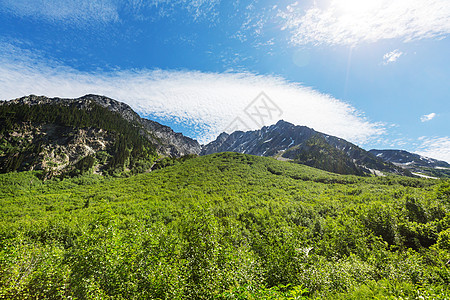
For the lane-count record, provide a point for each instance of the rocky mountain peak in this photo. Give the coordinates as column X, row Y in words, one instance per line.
column 302, row 144
column 113, row 105
column 165, row 139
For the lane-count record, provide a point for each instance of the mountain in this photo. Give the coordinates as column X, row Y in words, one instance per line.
column 69, row 136
column 420, row 165
column 96, row 133
column 304, row 145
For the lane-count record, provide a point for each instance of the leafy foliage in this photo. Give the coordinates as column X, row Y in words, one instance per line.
column 224, row 226
column 319, row 154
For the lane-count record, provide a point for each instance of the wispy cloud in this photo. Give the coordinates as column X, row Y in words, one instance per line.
column 208, row 102
column 196, row 9
column 429, row 117
column 435, row 147
column 346, row 22
column 392, row 56
column 91, row 12
column 73, row 11
column 340, row 22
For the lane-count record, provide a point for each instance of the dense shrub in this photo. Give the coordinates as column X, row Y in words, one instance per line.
column 223, row 227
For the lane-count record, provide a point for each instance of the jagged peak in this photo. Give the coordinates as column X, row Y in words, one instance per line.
column 223, row 135
column 283, row 122
column 94, row 96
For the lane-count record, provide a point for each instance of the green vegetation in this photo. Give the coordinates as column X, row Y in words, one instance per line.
column 224, row 226
column 433, row 172
column 131, row 150
column 319, row 154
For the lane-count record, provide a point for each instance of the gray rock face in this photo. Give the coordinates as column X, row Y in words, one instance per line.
column 173, row 143
column 268, row 141
column 60, row 147
column 283, row 141
column 302, row 144
column 414, row 162
column 409, row 159
column 163, row 137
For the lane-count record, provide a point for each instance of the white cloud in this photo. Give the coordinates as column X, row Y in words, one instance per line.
column 426, row 118
column 349, row 22
column 207, row 102
column 197, row 9
column 435, row 147
column 73, row 11
column 85, row 12
column 392, row 56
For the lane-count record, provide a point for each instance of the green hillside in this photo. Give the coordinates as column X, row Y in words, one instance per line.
column 317, row 153
column 224, row 226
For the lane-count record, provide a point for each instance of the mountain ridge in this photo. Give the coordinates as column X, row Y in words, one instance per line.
column 302, row 144
column 283, row 140
column 176, row 143
column 71, row 136
column 416, row 163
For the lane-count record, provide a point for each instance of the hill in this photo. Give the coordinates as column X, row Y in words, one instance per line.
column 304, row 145
column 224, row 226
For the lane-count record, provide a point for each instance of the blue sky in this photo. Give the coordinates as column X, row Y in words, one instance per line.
column 375, row 72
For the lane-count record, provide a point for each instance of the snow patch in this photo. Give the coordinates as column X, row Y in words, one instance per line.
column 280, row 158
column 377, row 172
column 292, row 143
column 424, row 176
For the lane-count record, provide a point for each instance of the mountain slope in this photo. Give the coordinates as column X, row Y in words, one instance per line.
column 303, row 145
column 414, row 162
column 224, row 226
column 69, row 136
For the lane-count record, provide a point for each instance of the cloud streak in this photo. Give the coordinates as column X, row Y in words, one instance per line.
column 346, row 22
column 342, row 22
column 204, row 102
column 435, row 147
column 429, row 117
column 392, row 56
column 72, row 11
column 91, row 12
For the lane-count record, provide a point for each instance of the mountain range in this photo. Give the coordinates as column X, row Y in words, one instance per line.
column 301, row 144
column 419, row 165
column 71, row 136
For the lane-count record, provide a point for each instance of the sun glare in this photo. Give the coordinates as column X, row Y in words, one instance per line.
column 355, row 6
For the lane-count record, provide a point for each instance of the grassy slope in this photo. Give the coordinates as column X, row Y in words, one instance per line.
column 227, row 226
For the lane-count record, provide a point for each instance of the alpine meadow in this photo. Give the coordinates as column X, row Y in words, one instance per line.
column 224, row 226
